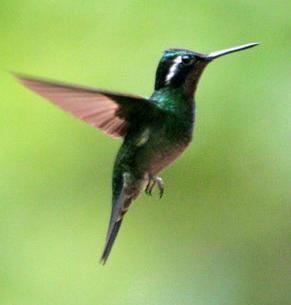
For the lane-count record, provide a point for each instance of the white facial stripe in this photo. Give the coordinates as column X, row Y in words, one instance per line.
column 173, row 68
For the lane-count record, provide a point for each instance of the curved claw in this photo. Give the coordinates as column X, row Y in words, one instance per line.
column 160, row 184
column 150, row 187
column 152, row 183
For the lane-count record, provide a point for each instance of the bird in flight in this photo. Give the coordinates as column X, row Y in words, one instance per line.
column 155, row 130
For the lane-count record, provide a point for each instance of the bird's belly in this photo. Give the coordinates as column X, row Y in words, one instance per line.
column 161, row 150
column 165, row 157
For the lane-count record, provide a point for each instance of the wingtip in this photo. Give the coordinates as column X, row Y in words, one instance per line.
column 20, row 77
column 15, row 74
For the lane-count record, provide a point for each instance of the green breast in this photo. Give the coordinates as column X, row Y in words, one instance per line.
column 158, row 144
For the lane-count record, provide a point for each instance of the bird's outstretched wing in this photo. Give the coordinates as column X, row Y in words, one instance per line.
column 108, row 111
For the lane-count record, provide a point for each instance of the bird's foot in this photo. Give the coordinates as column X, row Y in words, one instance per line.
column 153, row 181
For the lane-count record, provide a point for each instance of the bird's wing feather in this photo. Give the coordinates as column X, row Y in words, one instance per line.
column 108, row 111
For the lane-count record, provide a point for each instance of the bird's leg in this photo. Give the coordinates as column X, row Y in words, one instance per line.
column 149, row 186
column 153, row 181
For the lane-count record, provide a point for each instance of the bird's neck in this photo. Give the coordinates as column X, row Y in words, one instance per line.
column 175, row 100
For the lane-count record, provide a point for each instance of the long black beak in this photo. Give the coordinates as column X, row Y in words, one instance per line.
column 217, row 54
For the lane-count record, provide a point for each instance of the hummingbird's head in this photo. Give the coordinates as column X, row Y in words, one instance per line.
column 181, row 68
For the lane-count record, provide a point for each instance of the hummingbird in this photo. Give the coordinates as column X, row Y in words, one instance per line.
column 155, row 130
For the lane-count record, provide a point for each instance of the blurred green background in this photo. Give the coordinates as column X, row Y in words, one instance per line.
column 221, row 234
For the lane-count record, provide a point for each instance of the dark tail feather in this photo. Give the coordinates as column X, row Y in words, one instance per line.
column 119, row 208
column 110, row 240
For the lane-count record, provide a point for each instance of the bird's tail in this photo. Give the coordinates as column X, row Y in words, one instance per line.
column 112, row 233
column 120, row 205
column 119, row 208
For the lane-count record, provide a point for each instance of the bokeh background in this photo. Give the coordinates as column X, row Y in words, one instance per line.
column 221, row 234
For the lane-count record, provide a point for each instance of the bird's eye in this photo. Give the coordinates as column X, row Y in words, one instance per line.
column 186, row 60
